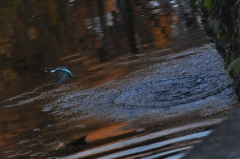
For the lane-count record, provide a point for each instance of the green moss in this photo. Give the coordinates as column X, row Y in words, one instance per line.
column 208, row 5
column 234, row 69
column 219, row 34
column 198, row 2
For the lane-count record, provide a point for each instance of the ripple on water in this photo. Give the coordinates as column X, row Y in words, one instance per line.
column 162, row 93
column 131, row 59
column 21, row 99
column 73, row 108
column 154, row 144
column 23, row 141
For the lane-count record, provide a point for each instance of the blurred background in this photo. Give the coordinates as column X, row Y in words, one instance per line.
column 149, row 83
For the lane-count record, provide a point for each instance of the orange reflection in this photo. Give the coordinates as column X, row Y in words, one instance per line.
column 109, row 131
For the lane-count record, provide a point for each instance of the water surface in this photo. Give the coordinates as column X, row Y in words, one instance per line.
column 148, row 89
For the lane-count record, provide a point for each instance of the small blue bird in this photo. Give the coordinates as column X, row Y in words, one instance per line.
column 62, row 73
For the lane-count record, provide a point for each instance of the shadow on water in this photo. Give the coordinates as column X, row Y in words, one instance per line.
column 148, row 83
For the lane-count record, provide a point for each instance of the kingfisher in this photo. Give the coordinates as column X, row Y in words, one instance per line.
column 63, row 74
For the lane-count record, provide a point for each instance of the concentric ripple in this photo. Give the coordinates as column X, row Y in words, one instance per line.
column 161, row 93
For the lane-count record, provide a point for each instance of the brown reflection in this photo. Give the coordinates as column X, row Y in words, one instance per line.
column 99, row 40
column 108, row 132
column 32, row 33
column 21, row 126
column 37, row 34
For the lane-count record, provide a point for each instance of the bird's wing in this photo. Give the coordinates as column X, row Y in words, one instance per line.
column 65, row 69
column 61, row 78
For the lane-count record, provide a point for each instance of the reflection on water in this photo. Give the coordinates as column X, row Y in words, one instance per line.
column 80, row 34
column 163, row 147
column 147, row 83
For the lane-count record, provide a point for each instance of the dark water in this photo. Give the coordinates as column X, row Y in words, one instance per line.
column 148, row 83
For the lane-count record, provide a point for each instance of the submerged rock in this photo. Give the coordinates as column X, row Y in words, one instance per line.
column 68, row 147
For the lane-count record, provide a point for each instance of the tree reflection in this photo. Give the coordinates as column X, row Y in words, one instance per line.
column 37, row 34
